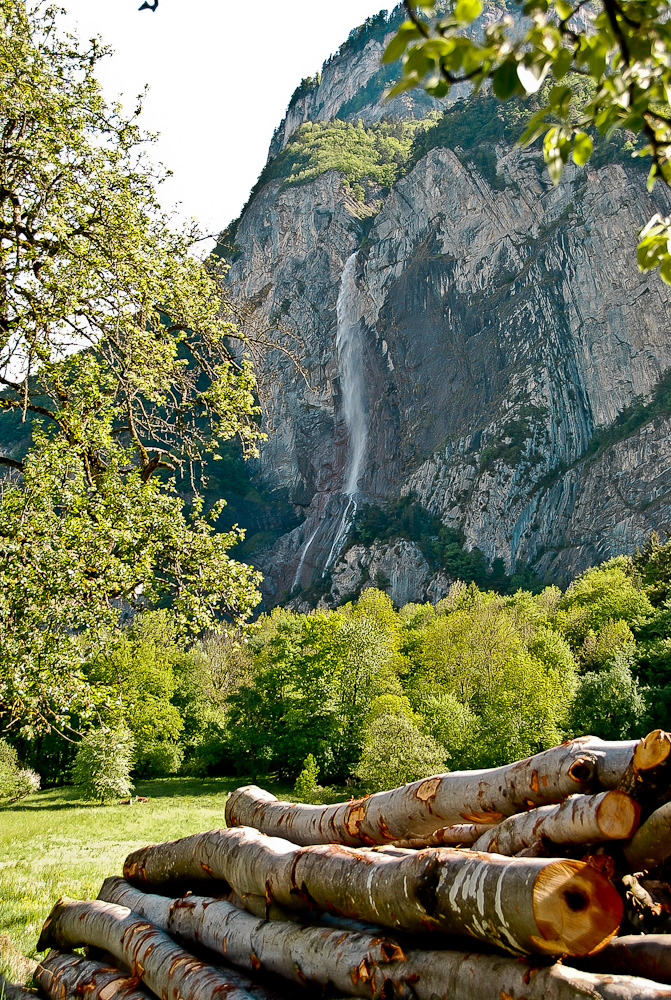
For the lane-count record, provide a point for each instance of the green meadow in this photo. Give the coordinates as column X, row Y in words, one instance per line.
column 53, row 844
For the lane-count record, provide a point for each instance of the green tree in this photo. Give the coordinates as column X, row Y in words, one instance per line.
column 599, row 598
column 396, row 752
column 609, row 703
column 139, row 673
column 118, row 341
column 622, row 48
column 102, row 765
column 306, row 782
column 653, row 562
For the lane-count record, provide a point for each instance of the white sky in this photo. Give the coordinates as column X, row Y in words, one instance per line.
column 220, row 75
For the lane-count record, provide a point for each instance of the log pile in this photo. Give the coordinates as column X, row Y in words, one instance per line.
column 547, row 878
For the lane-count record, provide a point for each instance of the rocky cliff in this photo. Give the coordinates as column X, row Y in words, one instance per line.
column 472, row 336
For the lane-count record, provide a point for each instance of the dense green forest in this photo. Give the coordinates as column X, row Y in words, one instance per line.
column 378, row 695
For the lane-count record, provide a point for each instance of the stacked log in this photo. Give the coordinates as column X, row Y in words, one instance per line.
column 516, row 883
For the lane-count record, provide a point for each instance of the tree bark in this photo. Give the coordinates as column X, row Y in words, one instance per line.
column 366, row 965
column 524, row 905
column 580, row 819
column 647, row 955
column 165, row 968
column 414, row 811
column 651, row 844
column 63, row 975
column 458, row 835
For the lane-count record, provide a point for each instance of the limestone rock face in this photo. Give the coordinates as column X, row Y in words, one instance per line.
column 398, row 567
column 499, row 319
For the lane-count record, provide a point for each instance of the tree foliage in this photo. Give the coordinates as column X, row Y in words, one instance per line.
column 395, row 752
column 119, row 343
column 622, row 47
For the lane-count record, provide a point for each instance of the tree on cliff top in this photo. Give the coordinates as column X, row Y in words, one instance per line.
column 117, row 341
column 621, row 47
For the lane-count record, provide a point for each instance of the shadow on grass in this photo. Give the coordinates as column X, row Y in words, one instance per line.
column 67, row 796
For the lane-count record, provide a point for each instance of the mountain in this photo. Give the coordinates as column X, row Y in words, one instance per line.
column 481, row 350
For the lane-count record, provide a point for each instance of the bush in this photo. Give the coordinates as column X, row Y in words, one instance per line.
column 103, row 762
column 395, row 752
column 306, row 782
column 15, row 781
column 157, row 759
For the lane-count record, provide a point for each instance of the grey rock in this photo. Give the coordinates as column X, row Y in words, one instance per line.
column 503, row 320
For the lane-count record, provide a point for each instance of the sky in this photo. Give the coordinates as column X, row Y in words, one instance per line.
column 220, row 75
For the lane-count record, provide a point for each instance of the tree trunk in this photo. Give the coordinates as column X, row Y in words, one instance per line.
column 165, row 968
column 414, row 811
column 647, row 777
column 647, row 955
column 581, row 819
column 63, row 975
column 459, row 835
column 525, row 905
column 651, row 844
column 367, row 965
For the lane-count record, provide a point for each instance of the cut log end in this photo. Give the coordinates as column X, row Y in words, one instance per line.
column 576, row 909
column 618, row 815
column 652, row 751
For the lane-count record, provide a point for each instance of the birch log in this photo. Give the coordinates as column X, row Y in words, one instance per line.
column 525, row 905
column 647, row 777
column 416, row 810
column 366, row 965
column 63, row 975
column 580, row 819
column 647, row 955
column 458, row 835
column 651, row 844
column 165, row 968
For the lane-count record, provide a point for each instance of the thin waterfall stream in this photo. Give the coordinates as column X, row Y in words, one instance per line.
column 349, row 347
column 349, row 344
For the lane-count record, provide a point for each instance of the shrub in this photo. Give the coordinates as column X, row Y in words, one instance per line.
column 395, row 752
column 158, row 758
column 103, row 762
column 15, row 781
column 306, row 782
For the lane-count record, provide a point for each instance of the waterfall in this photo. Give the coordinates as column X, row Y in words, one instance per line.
column 302, row 559
column 349, row 344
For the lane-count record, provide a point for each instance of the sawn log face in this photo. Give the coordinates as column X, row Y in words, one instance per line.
column 524, row 905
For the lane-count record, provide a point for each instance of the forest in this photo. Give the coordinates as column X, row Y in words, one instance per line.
column 371, row 696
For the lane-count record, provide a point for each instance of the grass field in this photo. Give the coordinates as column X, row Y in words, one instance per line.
column 53, row 844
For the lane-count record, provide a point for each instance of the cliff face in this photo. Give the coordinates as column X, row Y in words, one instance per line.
column 487, row 324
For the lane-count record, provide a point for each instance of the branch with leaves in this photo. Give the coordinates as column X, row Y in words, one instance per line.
column 622, row 48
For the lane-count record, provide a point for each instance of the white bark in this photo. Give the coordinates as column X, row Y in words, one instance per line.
column 580, row 819
column 416, row 810
column 459, row 835
column 651, row 844
column 525, row 905
column 63, row 975
column 369, row 965
column 169, row 971
column 647, row 955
